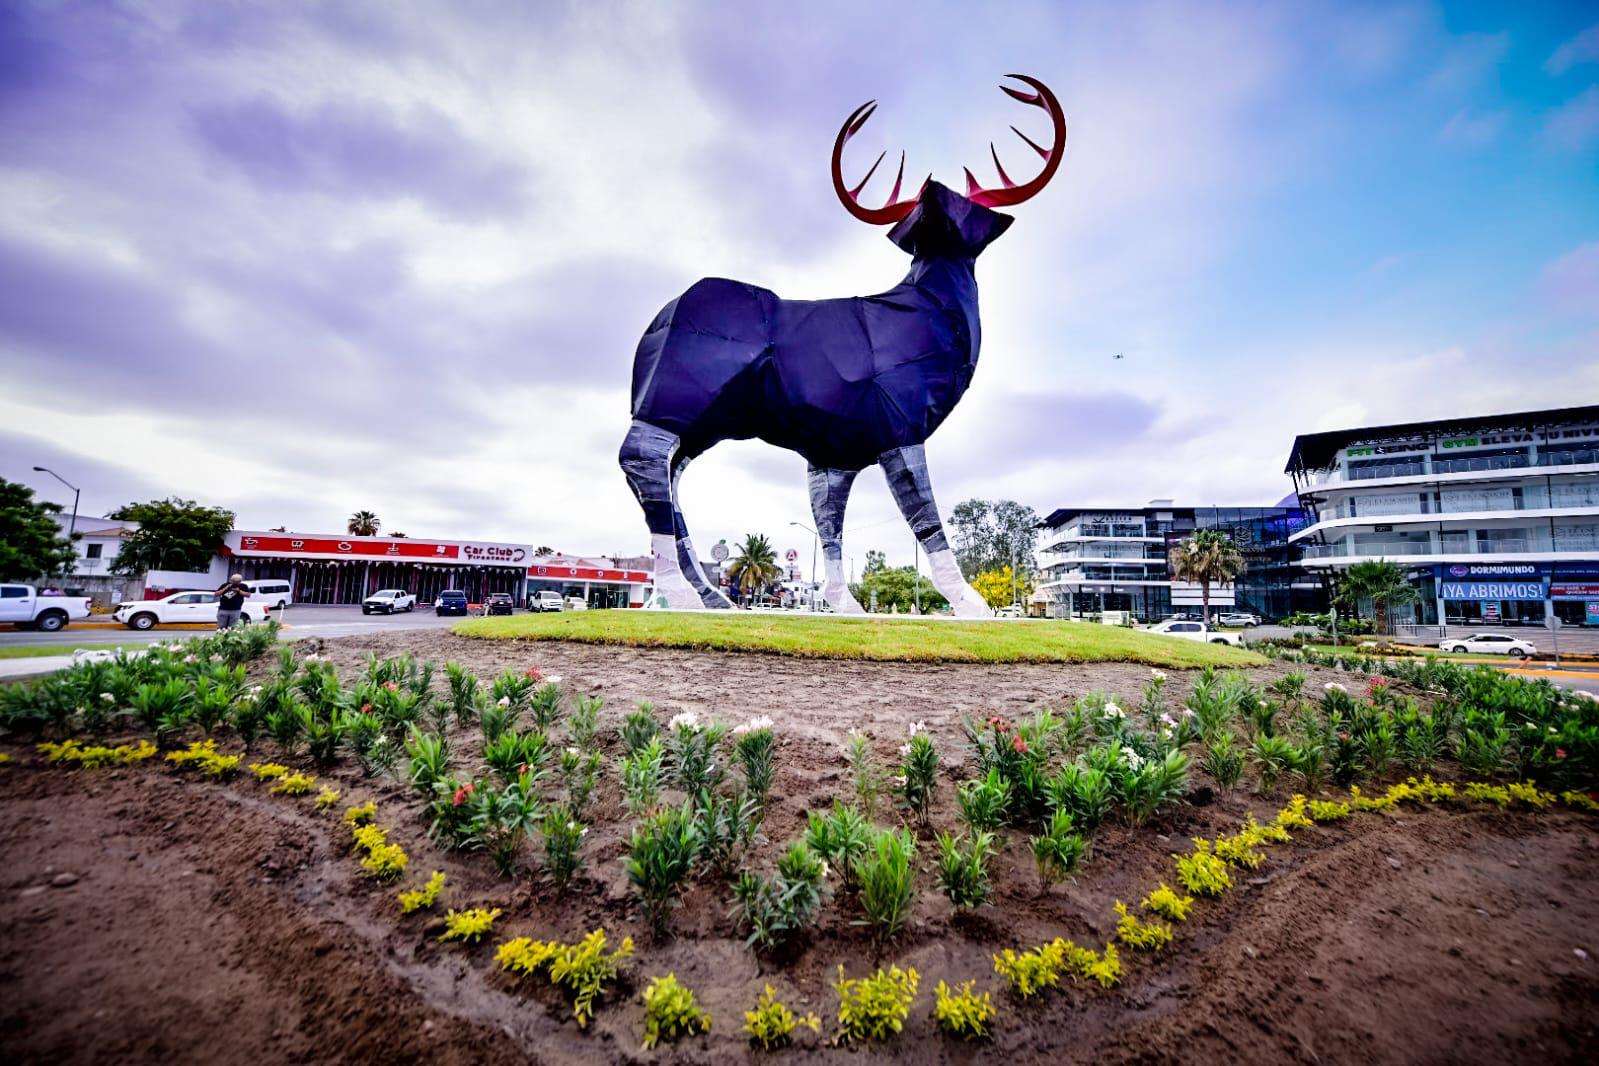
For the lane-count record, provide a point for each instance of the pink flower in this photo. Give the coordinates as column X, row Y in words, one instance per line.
column 391, row 686
column 1019, row 744
column 461, row 794
column 535, row 674
column 366, row 708
column 1560, row 753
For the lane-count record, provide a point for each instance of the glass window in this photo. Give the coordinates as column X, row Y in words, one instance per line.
column 93, row 551
column 13, row 592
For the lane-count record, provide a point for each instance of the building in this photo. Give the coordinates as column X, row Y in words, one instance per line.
column 345, row 569
column 600, row 581
column 98, row 540
column 1115, row 559
column 1495, row 518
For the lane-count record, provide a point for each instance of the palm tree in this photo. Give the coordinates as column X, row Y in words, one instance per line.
column 755, row 565
column 1381, row 583
column 363, row 524
column 1207, row 555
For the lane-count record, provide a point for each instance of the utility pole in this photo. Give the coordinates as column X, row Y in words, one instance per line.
column 916, row 581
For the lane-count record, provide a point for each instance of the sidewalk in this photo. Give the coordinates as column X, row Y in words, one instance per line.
column 12, row 669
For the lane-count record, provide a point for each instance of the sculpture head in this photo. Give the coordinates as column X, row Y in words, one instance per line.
column 939, row 221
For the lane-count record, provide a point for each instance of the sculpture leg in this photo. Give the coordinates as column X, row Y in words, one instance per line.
column 906, row 470
column 688, row 562
column 646, row 460
column 829, row 497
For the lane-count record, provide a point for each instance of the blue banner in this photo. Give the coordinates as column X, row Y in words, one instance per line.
column 1493, row 590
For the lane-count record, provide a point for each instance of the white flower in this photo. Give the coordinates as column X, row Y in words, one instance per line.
column 573, row 752
column 582, row 832
column 918, row 727
column 686, row 720
column 1165, row 734
column 1134, row 760
column 904, row 749
column 899, row 782
column 552, row 679
column 1158, row 675
column 190, row 659
column 108, row 697
column 1332, row 686
column 1265, row 703
column 505, row 701
column 1113, row 711
column 824, row 868
column 254, row 689
column 1167, row 718
column 1188, row 712
column 755, row 724
column 1585, row 695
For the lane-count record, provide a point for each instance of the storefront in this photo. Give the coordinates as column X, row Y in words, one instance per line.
column 1518, row 594
column 324, row 569
column 598, row 582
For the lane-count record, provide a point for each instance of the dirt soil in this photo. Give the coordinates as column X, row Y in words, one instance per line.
column 148, row 917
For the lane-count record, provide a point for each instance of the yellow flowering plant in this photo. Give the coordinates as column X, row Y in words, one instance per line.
column 1295, row 815
column 671, row 1011
column 1168, row 904
column 1201, row 872
column 1328, row 810
column 423, row 898
column 326, row 798
column 470, row 925
column 94, row 756
column 771, row 1024
column 1142, row 936
column 962, row 1012
column 268, row 771
column 1033, row 970
column 293, row 785
column 362, row 814
column 583, row 969
column 875, row 1007
column 202, row 755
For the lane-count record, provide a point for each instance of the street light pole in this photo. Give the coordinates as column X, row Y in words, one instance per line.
column 815, row 539
column 72, row 524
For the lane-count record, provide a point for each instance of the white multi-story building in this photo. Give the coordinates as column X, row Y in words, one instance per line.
column 1115, row 559
column 1496, row 518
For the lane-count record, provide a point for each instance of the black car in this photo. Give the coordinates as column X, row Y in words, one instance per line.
column 451, row 601
column 501, row 603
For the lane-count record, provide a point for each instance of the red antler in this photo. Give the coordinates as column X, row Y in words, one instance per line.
column 1011, row 193
column 892, row 211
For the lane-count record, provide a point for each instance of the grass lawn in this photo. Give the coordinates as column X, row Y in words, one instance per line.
column 36, row 651
column 893, row 640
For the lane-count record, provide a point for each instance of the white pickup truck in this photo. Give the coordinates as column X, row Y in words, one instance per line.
column 26, row 608
column 192, row 607
column 1174, row 627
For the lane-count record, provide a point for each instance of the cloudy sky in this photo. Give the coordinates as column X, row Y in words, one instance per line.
column 299, row 259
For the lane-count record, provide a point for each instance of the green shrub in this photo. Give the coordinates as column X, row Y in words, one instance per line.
column 729, row 825
column 840, row 838
column 863, row 772
column 661, row 854
column 984, row 802
column 918, row 773
column 563, row 839
column 641, row 777
column 963, row 868
column 776, row 910
column 638, row 729
column 886, row 873
column 755, row 745
column 1057, row 850
column 584, row 722
column 1223, row 761
column 1272, row 756
column 1085, row 793
column 1151, row 783
column 499, row 819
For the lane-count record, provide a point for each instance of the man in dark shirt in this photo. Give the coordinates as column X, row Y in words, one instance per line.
column 230, row 601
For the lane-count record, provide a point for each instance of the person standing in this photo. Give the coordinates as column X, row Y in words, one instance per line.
column 230, row 601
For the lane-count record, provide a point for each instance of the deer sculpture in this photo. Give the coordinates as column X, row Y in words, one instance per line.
column 846, row 383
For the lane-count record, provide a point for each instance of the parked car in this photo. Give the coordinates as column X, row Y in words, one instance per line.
column 451, row 601
column 182, row 607
column 1490, row 644
column 545, row 600
column 27, row 608
column 576, row 603
column 1013, row 610
column 274, row 592
column 1238, row 618
column 501, row 603
column 388, row 601
column 1194, row 631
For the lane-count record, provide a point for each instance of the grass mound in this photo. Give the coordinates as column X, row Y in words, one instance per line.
column 883, row 639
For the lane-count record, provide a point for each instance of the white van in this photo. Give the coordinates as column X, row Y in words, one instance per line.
column 274, row 592
column 545, row 600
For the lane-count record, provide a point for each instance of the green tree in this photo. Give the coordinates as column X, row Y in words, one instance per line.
column 895, row 589
column 173, row 534
column 543, row 549
column 876, row 562
column 989, row 534
column 1205, row 557
column 755, row 565
column 363, row 524
column 1379, row 583
column 31, row 544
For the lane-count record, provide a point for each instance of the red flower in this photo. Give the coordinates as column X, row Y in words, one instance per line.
column 535, row 674
column 391, row 686
column 1019, row 744
column 366, row 708
column 523, row 770
column 461, row 794
column 1560, row 753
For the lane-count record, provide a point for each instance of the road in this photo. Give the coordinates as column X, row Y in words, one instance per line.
column 296, row 621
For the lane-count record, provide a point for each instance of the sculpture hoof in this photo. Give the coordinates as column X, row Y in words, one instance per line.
column 971, row 605
column 841, row 601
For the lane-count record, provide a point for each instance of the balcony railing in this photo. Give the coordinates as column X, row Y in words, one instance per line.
column 1585, row 455
column 1345, row 549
